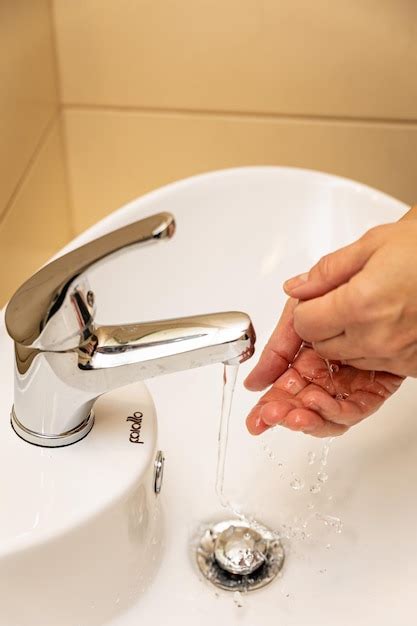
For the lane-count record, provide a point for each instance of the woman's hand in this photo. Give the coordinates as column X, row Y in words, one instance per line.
column 357, row 307
column 308, row 394
column 359, row 304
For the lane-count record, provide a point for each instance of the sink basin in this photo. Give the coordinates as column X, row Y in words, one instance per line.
column 82, row 540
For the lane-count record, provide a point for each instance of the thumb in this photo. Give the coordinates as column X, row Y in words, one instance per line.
column 332, row 270
column 278, row 353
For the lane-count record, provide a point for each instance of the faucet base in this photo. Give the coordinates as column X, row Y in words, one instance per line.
column 52, row 441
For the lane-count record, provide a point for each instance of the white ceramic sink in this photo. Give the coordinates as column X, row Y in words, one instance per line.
column 66, row 513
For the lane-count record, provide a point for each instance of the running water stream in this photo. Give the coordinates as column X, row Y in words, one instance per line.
column 229, row 382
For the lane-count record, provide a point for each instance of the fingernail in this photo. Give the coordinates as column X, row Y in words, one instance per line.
column 297, row 281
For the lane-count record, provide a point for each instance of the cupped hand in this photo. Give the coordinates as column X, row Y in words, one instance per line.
column 309, row 394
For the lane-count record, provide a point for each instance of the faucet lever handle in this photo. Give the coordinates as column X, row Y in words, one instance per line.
column 47, row 313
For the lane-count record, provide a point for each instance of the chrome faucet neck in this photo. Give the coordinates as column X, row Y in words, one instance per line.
column 63, row 358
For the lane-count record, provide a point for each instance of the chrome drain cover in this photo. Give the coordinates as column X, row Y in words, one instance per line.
column 237, row 557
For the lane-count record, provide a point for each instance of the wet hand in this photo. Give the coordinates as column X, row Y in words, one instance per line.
column 306, row 395
column 359, row 304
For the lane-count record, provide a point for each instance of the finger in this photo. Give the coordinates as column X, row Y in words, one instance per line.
column 338, row 348
column 324, row 317
column 346, row 412
column 332, row 270
column 254, row 423
column 278, row 353
column 311, row 423
column 307, row 410
column 290, row 382
column 298, row 418
column 374, row 364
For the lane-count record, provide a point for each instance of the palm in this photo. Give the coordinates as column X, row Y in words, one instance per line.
column 321, row 398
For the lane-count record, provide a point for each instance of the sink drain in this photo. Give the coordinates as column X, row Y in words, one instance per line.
column 234, row 556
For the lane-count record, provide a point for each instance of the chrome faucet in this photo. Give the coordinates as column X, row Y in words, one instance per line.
column 64, row 361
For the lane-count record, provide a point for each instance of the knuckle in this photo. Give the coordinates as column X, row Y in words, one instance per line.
column 322, row 270
column 362, row 301
column 376, row 233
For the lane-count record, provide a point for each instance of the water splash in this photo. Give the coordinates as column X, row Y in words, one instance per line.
column 316, row 488
column 325, row 452
column 237, row 599
column 331, row 521
column 322, row 477
column 297, row 483
column 268, row 451
column 311, row 457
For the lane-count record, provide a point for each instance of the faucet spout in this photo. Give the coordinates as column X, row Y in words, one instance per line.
column 166, row 346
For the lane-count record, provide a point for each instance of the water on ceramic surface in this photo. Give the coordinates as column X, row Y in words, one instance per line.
column 311, row 457
column 332, row 521
column 238, row 599
column 297, row 483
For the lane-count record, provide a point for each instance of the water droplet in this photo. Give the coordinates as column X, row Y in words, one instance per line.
column 311, row 457
column 328, row 546
column 270, row 453
column 310, row 506
column 322, row 477
column 325, row 452
column 297, row 483
column 330, row 520
column 315, row 488
column 342, row 396
column 237, row 599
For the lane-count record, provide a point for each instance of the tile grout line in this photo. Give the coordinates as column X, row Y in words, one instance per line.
column 259, row 115
column 33, row 157
column 62, row 124
column 68, row 178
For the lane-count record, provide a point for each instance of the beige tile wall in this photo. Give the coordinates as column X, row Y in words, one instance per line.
column 38, row 222
column 299, row 57
column 156, row 90
column 34, row 219
column 28, row 93
column 115, row 156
